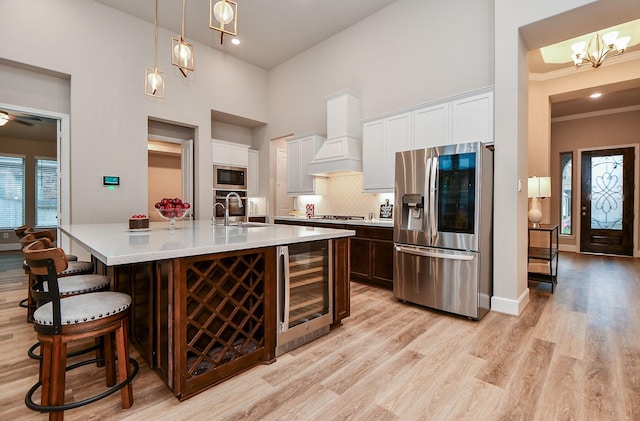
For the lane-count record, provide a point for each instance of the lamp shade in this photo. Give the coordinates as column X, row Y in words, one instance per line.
column 539, row 186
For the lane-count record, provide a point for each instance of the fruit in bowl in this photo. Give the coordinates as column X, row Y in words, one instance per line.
column 139, row 221
column 172, row 209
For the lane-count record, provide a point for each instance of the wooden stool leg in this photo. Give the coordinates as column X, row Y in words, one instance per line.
column 108, row 353
column 45, row 370
column 99, row 351
column 31, row 303
column 122, row 344
column 58, row 366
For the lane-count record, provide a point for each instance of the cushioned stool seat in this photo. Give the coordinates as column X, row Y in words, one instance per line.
column 83, row 308
column 81, row 284
column 76, row 267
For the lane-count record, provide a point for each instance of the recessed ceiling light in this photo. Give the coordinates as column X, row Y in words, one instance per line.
column 235, row 41
column 596, row 95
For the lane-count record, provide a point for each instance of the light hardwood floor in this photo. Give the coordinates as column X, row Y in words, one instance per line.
column 572, row 355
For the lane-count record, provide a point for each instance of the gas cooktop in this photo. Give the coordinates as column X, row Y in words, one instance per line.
column 338, row 217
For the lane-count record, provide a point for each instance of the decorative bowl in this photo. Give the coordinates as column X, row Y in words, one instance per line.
column 173, row 214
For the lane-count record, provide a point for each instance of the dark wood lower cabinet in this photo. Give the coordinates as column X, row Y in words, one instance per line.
column 372, row 255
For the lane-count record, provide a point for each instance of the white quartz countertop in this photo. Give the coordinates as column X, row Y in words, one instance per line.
column 114, row 244
column 382, row 223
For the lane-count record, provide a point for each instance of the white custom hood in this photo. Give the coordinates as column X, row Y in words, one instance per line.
column 341, row 153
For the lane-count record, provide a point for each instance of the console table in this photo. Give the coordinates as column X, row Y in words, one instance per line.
column 547, row 253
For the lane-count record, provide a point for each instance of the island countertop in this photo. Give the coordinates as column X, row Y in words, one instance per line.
column 115, row 244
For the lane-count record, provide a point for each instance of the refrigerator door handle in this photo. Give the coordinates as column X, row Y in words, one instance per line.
column 433, row 195
column 419, row 251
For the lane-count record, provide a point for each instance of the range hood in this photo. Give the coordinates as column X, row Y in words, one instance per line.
column 341, row 153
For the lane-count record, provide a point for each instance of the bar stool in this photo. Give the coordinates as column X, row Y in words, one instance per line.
column 21, row 232
column 97, row 315
column 25, row 230
column 74, row 268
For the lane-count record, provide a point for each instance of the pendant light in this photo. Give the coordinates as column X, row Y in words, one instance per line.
column 182, row 53
column 153, row 79
column 223, row 17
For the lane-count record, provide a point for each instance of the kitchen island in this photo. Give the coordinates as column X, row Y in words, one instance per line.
column 203, row 297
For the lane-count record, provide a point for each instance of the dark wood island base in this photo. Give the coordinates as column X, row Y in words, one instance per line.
column 200, row 320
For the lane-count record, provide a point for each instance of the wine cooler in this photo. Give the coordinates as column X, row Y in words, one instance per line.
column 304, row 294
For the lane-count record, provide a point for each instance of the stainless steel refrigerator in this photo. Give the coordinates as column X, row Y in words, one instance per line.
column 443, row 228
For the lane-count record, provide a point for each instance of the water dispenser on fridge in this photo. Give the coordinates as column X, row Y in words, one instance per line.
column 412, row 213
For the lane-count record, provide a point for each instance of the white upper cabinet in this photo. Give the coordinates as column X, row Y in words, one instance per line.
column 228, row 153
column 300, row 152
column 472, row 118
column 431, row 126
column 463, row 118
column 381, row 140
column 253, row 185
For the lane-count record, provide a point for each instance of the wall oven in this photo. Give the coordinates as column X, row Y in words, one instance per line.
column 304, row 294
column 236, row 213
column 229, row 178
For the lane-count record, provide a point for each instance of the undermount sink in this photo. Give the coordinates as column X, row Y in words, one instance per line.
column 249, row 225
column 244, row 225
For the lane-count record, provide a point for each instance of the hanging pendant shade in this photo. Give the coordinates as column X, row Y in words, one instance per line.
column 182, row 53
column 223, row 17
column 154, row 79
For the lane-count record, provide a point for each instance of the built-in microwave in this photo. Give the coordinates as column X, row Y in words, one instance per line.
column 229, row 178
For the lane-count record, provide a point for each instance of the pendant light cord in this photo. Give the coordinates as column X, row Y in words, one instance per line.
column 182, row 34
column 155, row 52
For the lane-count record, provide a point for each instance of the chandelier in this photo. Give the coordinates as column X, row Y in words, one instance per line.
column 598, row 49
column 223, row 17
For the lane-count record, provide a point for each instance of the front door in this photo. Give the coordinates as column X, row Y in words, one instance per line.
column 606, row 208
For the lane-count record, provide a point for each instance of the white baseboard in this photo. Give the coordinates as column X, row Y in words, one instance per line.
column 508, row 306
column 572, row 248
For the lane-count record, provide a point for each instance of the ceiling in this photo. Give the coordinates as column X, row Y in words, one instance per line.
column 557, row 58
column 270, row 31
column 41, row 128
column 273, row 31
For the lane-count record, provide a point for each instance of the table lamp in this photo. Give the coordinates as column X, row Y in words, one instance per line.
column 539, row 188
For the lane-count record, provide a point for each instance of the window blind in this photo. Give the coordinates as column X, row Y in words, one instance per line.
column 46, row 192
column 11, row 191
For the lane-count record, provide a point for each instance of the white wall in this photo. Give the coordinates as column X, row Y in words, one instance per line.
column 105, row 53
column 405, row 54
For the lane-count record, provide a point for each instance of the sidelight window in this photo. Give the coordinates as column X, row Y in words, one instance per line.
column 566, row 193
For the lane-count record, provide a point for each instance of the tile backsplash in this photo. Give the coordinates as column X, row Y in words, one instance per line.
column 345, row 197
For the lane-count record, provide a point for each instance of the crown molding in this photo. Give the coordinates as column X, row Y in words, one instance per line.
column 596, row 113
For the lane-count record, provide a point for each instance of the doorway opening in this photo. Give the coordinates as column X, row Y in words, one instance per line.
column 34, row 172
column 169, row 165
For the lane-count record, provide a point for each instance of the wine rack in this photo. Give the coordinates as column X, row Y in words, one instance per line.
column 226, row 314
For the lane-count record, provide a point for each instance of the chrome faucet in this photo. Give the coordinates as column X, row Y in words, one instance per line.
column 226, row 206
column 213, row 216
